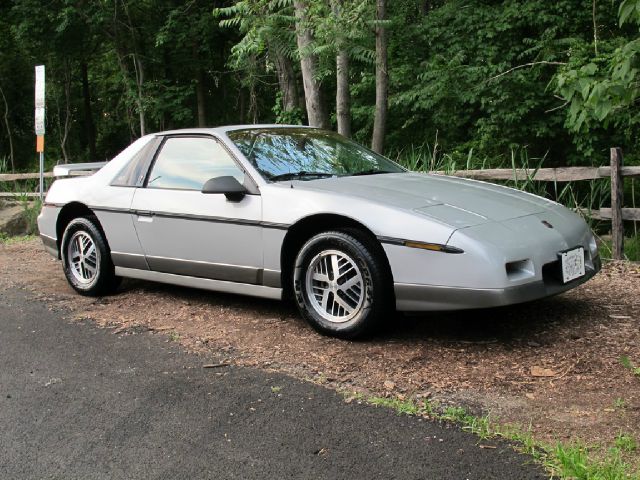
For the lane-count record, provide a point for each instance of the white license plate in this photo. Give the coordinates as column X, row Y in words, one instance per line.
column 572, row 264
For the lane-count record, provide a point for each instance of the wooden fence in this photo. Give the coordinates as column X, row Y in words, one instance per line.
column 616, row 171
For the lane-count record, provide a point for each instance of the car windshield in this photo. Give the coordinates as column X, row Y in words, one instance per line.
column 307, row 154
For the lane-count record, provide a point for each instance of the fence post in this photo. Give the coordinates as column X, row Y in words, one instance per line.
column 617, row 189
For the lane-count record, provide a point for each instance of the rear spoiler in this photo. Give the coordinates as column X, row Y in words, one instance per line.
column 77, row 169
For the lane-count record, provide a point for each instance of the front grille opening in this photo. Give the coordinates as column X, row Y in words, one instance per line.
column 519, row 269
column 552, row 273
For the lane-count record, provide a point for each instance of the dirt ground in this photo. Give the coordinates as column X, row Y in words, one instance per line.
column 553, row 365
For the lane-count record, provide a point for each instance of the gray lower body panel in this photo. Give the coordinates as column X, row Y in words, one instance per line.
column 417, row 298
column 204, row 283
column 50, row 245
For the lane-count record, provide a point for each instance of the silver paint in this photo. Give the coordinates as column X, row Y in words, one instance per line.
column 494, row 225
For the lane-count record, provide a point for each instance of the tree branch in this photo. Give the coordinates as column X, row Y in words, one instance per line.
column 531, row 64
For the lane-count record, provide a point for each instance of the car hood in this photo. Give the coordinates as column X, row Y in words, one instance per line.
column 454, row 201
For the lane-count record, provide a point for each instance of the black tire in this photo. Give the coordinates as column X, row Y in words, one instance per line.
column 319, row 295
column 103, row 280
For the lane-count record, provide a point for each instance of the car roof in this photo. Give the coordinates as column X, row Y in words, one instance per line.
column 228, row 128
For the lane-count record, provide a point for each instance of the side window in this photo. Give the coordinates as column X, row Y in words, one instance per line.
column 132, row 175
column 188, row 162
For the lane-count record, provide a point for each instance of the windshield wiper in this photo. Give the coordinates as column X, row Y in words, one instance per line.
column 371, row 171
column 300, row 174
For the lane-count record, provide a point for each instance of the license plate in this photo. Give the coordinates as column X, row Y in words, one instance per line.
column 572, row 264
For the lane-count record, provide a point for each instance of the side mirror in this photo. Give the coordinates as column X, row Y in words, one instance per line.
column 228, row 185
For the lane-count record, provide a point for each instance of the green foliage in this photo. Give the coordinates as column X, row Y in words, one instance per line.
column 631, row 248
column 626, row 363
column 626, row 443
column 9, row 240
column 483, row 78
column 477, row 90
column 30, row 213
column 574, row 462
column 289, row 117
column 601, row 86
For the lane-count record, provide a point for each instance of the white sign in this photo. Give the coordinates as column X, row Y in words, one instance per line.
column 40, row 86
column 40, row 100
column 39, row 121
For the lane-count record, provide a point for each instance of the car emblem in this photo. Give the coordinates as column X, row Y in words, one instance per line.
column 547, row 224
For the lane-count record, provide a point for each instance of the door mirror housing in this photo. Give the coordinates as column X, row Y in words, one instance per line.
column 228, row 185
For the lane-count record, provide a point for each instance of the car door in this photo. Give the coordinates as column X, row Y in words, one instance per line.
column 184, row 231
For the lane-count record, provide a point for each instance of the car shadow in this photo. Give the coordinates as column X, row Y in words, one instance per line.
column 537, row 323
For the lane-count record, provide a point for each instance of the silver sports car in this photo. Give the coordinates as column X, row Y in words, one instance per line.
column 276, row 211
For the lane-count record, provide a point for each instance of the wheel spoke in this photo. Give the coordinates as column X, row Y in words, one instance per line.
column 352, row 282
column 352, row 295
column 334, row 267
column 325, row 299
column 321, row 277
column 91, row 250
column 339, row 301
column 90, row 269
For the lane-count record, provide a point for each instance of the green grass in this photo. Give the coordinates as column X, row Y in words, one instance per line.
column 626, row 363
column 575, row 462
column 566, row 461
column 31, row 212
column 7, row 240
column 620, row 404
column 631, row 248
column 626, row 443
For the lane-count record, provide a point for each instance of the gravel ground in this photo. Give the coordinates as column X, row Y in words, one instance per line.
column 552, row 365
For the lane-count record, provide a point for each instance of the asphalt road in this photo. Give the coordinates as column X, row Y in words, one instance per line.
column 78, row 401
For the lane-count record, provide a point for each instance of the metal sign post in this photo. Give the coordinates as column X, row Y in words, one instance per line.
column 40, row 123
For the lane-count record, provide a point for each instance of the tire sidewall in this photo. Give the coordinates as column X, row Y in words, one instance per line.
column 359, row 253
column 104, row 265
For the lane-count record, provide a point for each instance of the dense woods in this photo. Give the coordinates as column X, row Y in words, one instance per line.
column 476, row 79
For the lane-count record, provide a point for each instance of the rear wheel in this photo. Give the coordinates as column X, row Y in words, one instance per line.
column 86, row 259
column 340, row 284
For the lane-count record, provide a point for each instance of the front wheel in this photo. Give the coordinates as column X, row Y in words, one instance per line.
column 86, row 260
column 340, row 285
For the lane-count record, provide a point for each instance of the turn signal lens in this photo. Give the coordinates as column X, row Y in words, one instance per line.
column 436, row 247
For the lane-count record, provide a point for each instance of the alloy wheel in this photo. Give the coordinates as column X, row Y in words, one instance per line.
column 335, row 286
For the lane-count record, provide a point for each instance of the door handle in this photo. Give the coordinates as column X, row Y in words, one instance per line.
column 145, row 216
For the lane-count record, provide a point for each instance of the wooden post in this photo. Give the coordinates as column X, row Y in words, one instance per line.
column 617, row 189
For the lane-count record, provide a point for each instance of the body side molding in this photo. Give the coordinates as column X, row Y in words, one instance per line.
column 204, row 283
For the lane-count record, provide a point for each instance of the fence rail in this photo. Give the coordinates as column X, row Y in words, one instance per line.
column 564, row 174
column 615, row 171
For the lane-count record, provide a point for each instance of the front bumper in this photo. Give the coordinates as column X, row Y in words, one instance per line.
column 50, row 245
column 419, row 298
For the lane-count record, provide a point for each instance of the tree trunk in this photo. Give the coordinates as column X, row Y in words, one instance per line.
column 343, row 96
column 139, row 70
column 89, row 126
column 63, row 129
column 167, row 121
column 382, row 80
column 200, row 98
column 200, row 94
column 316, row 111
column 9, row 135
column 286, row 81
